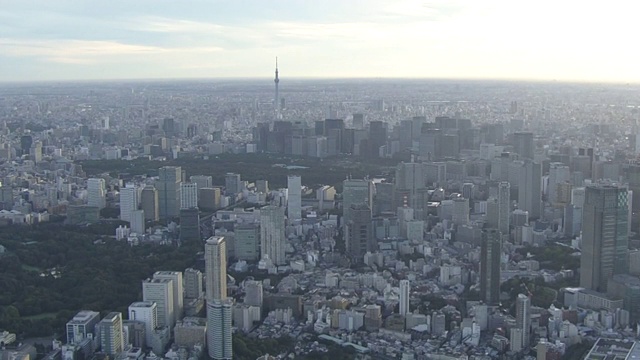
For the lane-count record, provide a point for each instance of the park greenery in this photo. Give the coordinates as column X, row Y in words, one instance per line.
column 50, row 271
column 251, row 167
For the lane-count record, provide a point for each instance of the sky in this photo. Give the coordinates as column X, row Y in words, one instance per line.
column 563, row 40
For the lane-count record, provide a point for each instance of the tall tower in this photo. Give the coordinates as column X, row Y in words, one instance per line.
column 294, row 204
column 111, row 336
column 219, row 309
column 404, row 297
column 277, row 97
column 490, row 252
column 605, row 236
column 215, row 263
column 523, row 318
column 272, row 234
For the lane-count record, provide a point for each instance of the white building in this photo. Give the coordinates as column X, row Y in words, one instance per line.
column 137, row 222
column 219, row 334
column 128, row 202
column 215, row 263
column 160, row 291
column 188, row 195
column 178, row 290
column 146, row 312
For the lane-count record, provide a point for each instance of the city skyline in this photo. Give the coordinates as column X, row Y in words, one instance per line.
column 66, row 40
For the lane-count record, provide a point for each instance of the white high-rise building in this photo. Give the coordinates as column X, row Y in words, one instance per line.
column 146, row 312
column 219, row 334
column 128, row 202
column 405, row 289
column 523, row 317
column 178, row 290
column 137, row 222
column 272, row 235
column 188, row 195
column 96, row 191
column 294, row 204
column 215, row 263
column 160, row 291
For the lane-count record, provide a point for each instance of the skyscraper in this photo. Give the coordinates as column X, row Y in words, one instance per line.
column 219, row 312
column 149, row 203
column 405, row 290
column 605, row 236
column 137, row 222
column 146, row 312
column 192, row 284
column 558, row 174
column 188, row 195
column 96, row 192
column 410, row 179
column 190, row 224
column 168, row 185
column 530, row 189
column 111, row 336
column 294, row 204
column 160, row 291
column 128, row 202
column 490, row 252
column 523, row 144
column 358, row 232
column 523, row 318
column 178, row 290
column 356, row 191
column 460, row 211
column 219, row 331
column 202, row 181
column 504, row 207
column 215, row 261
column 272, row 235
column 232, row 183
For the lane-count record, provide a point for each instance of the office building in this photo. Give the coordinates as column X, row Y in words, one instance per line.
column 147, row 313
column 523, row 318
column 215, row 262
column 358, row 233
column 128, row 202
column 247, row 242
column 460, row 214
column 201, row 181
column 149, row 203
column 190, row 224
column 232, row 184
column 96, row 192
column 160, row 291
column 294, row 203
column 82, row 326
column 559, row 174
column 605, row 236
column 219, row 331
column 188, row 195
column 409, row 182
column 530, row 189
column 178, row 290
column 272, row 235
column 253, row 293
column 168, row 186
column 111, row 335
column 209, row 198
column 490, row 253
column 523, row 144
column 405, row 290
column 355, row 192
column 137, row 222
column 193, row 284
column 504, row 207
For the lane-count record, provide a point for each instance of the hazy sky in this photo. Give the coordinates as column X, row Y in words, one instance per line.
column 510, row 39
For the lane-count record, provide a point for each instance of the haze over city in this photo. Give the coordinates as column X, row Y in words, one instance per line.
column 148, row 39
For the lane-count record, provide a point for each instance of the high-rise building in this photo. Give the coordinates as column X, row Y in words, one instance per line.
column 137, row 222
column 530, row 189
column 409, row 181
column 215, row 262
column 190, row 224
column 168, row 185
column 356, row 191
column 272, row 235
column 149, row 203
column 81, row 326
column 128, row 202
column 358, row 233
column 193, row 284
column 219, row 331
column 178, row 290
column 247, row 242
column 209, row 198
column 160, row 291
column 253, row 293
column 111, row 336
column 405, row 290
column 146, row 312
column 96, row 192
column 559, row 174
column 605, row 236
column 188, row 195
column 232, row 183
column 523, row 318
column 504, row 207
column 460, row 214
column 523, row 144
column 490, row 253
column 294, row 203
column 202, row 181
